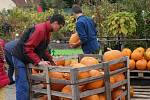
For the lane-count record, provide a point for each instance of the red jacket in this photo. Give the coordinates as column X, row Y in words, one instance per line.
column 4, row 80
column 32, row 46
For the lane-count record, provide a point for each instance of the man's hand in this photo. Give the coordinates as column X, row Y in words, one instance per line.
column 44, row 63
column 52, row 63
column 73, row 45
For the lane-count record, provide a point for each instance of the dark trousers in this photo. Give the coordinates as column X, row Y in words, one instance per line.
column 96, row 51
column 9, row 61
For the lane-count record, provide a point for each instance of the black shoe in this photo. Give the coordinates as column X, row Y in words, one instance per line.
column 11, row 83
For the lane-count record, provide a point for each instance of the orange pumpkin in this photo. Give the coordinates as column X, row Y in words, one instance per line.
column 137, row 54
column 81, row 75
column 60, row 62
column 117, row 93
column 112, row 80
column 132, row 64
column 119, row 77
column 56, row 86
column 67, row 90
column 73, row 61
column 102, row 97
column 95, row 84
column 147, row 54
column 74, row 38
column 148, row 65
column 113, row 55
column 141, row 49
column 92, row 97
column 89, row 61
column 46, row 98
column 67, row 62
column 141, row 64
column 126, row 52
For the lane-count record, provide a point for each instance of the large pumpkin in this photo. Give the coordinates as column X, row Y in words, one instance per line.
column 131, row 64
column 112, row 80
column 117, row 93
column 95, row 84
column 119, row 77
column 113, row 55
column 147, row 54
column 137, row 54
column 74, row 38
column 92, row 97
column 141, row 64
column 60, row 62
column 67, row 62
column 89, row 61
column 56, row 86
column 148, row 65
column 126, row 52
column 67, row 90
column 102, row 97
column 46, row 98
column 140, row 49
column 81, row 75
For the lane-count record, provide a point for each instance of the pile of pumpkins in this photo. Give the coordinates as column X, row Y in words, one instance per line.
column 85, row 62
column 139, row 58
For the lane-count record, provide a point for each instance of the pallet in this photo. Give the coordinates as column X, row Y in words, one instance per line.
column 141, row 93
column 140, row 74
column 75, row 82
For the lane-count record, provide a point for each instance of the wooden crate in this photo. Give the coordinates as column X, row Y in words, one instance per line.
column 74, row 82
column 140, row 74
column 141, row 93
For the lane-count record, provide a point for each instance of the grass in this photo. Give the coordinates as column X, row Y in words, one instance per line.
column 66, row 52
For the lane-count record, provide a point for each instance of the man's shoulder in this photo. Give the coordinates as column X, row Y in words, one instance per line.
column 40, row 26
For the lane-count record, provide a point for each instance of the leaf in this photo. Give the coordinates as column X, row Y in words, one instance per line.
column 124, row 30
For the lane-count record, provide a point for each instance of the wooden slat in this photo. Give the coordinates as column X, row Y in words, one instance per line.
column 88, row 68
column 118, row 84
column 121, row 70
column 142, row 96
column 137, row 77
column 117, row 60
column 143, row 93
column 92, row 92
column 142, row 87
column 74, row 82
column 56, row 93
column 142, row 71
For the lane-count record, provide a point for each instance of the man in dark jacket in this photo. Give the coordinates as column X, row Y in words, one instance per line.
column 31, row 48
column 86, row 29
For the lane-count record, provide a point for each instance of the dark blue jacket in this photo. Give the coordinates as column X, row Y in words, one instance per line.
column 86, row 29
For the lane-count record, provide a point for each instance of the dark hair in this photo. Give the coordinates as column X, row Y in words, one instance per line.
column 59, row 18
column 76, row 9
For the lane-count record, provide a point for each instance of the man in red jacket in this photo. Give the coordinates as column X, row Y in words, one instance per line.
column 32, row 48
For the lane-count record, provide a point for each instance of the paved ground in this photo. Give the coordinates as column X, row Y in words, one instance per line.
column 10, row 91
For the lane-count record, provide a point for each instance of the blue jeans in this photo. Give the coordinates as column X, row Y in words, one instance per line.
column 22, row 83
column 9, row 61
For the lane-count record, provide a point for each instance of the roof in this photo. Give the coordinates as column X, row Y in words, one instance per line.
column 7, row 4
column 21, row 3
